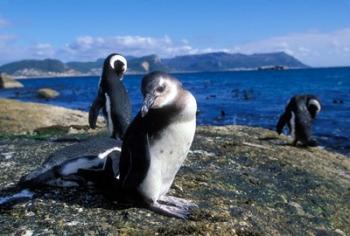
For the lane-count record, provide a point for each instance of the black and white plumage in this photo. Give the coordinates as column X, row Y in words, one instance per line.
column 77, row 164
column 154, row 147
column 298, row 115
column 61, row 168
column 156, row 144
column 112, row 97
column 69, row 167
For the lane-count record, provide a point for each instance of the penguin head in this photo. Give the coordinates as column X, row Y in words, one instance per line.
column 116, row 63
column 159, row 90
column 314, row 107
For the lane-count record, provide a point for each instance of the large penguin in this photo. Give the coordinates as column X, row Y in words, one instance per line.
column 155, row 146
column 298, row 115
column 112, row 97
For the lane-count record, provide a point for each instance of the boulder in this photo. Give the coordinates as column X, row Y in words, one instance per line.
column 47, row 93
column 7, row 82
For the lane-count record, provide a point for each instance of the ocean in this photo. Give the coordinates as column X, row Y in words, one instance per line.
column 254, row 98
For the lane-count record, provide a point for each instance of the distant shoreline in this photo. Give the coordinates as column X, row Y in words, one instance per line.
column 142, row 73
column 173, row 72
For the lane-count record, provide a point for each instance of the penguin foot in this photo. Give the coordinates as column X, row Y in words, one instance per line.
column 171, row 211
column 177, row 202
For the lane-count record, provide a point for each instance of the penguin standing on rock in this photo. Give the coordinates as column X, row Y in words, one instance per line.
column 155, row 146
column 298, row 115
column 157, row 143
column 112, row 97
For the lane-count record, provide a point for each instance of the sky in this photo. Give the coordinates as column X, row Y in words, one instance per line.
column 317, row 32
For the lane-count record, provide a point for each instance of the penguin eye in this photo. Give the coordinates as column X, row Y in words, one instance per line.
column 160, row 89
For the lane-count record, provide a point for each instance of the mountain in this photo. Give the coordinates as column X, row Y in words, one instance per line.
column 46, row 65
column 217, row 61
column 220, row 61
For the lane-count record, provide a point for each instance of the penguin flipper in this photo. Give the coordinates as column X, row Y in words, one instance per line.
column 98, row 103
column 135, row 157
column 285, row 117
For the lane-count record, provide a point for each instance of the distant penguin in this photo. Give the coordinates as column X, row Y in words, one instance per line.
column 112, row 97
column 298, row 115
column 155, row 146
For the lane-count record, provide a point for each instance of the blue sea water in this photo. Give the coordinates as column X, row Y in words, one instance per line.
column 254, row 98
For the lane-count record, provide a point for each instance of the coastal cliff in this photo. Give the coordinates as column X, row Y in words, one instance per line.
column 246, row 181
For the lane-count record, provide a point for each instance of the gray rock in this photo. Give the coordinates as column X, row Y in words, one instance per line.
column 295, row 191
column 47, row 93
column 7, row 82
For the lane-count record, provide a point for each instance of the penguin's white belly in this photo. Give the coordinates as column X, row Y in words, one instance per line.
column 167, row 155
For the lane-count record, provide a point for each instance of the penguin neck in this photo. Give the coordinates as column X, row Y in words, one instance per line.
column 110, row 77
column 183, row 110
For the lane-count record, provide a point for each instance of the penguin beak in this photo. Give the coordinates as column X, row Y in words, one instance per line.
column 147, row 104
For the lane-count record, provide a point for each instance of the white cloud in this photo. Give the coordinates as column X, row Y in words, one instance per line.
column 87, row 47
column 313, row 48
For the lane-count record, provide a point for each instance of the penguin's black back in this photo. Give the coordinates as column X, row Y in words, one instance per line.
column 119, row 100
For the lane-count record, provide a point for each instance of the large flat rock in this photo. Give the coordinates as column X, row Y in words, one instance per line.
column 26, row 117
column 247, row 181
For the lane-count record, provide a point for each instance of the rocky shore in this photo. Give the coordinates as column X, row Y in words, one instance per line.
column 246, row 181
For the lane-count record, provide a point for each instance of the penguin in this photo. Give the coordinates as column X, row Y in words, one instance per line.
column 155, row 145
column 298, row 115
column 60, row 169
column 63, row 168
column 112, row 97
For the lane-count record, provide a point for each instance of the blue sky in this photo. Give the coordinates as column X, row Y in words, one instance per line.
column 316, row 32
